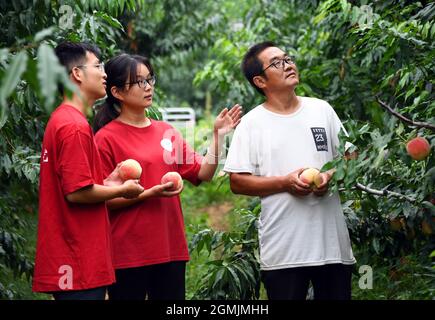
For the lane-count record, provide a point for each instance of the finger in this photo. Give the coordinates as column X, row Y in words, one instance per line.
column 223, row 113
column 167, row 185
column 236, row 123
column 302, row 185
column 236, row 115
column 302, row 189
column 235, row 107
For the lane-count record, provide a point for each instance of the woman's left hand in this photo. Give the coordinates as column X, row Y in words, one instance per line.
column 227, row 120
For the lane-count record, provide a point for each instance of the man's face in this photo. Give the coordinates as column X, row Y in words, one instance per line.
column 92, row 77
column 281, row 72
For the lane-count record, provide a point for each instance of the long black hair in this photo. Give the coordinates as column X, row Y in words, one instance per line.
column 120, row 70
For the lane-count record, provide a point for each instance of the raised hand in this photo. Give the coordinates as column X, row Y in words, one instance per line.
column 227, row 120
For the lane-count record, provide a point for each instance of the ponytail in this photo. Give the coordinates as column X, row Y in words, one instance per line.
column 106, row 112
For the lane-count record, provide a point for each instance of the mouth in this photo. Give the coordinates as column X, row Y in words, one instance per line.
column 148, row 97
column 291, row 74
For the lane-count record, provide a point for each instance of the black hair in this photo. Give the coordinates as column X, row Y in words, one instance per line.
column 71, row 54
column 252, row 66
column 120, row 70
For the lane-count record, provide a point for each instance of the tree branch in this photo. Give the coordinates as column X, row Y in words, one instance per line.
column 385, row 193
column 404, row 119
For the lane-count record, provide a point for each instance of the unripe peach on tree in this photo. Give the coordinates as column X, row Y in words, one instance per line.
column 173, row 177
column 418, row 148
column 130, row 169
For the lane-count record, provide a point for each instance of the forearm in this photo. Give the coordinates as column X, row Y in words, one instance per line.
column 120, row 202
column 251, row 185
column 211, row 159
column 95, row 194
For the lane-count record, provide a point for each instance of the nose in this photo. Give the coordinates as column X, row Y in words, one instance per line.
column 104, row 75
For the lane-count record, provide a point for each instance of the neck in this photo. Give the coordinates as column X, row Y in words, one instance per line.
column 80, row 103
column 134, row 117
column 284, row 102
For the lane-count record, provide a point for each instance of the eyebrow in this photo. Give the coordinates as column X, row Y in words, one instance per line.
column 278, row 57
column 144, row 77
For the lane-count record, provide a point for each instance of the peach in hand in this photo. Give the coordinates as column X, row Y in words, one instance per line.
column 173, row 177
column 130, row 169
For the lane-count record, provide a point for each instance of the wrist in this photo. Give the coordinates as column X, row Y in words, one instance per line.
column 284, row 183
column 120, row 190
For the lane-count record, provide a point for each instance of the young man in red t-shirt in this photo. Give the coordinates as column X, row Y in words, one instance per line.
column 73, row 253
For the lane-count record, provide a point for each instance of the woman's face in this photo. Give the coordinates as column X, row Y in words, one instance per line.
column 138, row 95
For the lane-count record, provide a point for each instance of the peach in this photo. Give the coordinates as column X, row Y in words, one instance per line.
column 418, row 148
column 130, row 169
column 311, row 176
column 173, row 177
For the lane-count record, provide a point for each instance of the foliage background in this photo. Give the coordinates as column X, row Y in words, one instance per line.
column 350, row 53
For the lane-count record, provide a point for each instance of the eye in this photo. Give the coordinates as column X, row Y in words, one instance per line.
column 276, row 63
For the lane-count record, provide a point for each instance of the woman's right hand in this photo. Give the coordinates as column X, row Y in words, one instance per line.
column 162, row 190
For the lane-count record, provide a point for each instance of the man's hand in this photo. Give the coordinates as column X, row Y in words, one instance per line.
column 131, row 189
column 322, row 189
column 227, row 120
column 295, row 186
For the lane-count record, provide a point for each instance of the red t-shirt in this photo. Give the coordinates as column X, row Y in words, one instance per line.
column 73, row 249
column 152, row 231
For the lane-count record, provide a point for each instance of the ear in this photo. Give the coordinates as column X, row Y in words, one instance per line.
column 76, row 75
column 116, row 93
column 259, row 81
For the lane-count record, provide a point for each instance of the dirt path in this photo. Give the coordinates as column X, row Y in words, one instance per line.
column 218, row 215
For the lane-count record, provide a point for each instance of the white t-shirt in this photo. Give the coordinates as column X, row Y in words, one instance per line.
column 293, row 231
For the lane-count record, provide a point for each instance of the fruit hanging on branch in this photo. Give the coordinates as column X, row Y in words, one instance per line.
column 418, row 148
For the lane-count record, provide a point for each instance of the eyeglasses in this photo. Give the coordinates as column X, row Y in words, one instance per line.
column 100, row 66
column 143, row 83
column 281, row 62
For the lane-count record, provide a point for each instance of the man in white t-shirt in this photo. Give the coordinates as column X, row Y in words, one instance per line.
column 302, row 232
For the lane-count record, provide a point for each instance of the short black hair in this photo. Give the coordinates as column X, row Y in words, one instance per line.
column 71, row 54
column 252, row 66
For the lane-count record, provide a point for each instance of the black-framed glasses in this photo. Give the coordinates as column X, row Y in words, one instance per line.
column 100, row 66
column 281, row 62
column 143, row 83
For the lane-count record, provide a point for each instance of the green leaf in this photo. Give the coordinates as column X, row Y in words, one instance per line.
column 49, row 71
column 40, row 35
column 10, row 81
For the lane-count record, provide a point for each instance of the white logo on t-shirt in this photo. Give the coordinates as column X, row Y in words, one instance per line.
column 166, row 144
column 45, row 156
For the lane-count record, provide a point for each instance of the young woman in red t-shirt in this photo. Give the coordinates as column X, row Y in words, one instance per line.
column 150, row 249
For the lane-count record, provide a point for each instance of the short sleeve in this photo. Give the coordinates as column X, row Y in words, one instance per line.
column 74, row 162
column 108, row 163
column 241, row 154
